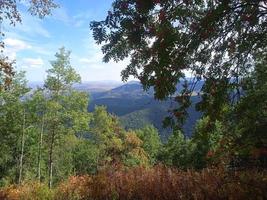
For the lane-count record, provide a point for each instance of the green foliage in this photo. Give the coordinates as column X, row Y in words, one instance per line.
column 134, row 154
column 85, row 157
column 178, row 151
column 66, row 110
column 115, row 145
column 206, row 139
column 151, row 142
column 62, row 75
column 248, row 119
column 39, row 130
column 217, row 41
column 11, row 111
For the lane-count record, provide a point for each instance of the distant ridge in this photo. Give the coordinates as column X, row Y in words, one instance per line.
column 137, row 107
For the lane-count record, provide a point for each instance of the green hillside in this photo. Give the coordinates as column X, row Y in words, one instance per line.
column 136, row 108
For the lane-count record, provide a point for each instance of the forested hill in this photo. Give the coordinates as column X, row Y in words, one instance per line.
column 137, row 107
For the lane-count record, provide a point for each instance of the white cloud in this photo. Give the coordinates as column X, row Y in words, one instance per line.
column 32, row 62
column 16, row 44
column 12, row 46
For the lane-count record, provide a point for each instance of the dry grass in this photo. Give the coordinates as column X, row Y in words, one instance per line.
column 157, row 183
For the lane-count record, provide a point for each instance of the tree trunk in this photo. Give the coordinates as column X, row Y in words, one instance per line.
column 51, row 159
column 22, row 147
column 40, row 149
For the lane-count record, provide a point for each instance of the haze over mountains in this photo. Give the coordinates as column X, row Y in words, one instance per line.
column 134, row 106
column 137, row 107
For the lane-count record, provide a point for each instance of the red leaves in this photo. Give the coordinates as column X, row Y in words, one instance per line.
column 124, row 5
column 162, row 15
column 157, row 1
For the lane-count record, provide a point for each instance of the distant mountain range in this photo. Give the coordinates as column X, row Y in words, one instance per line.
column 137, row 107
column 88, row 86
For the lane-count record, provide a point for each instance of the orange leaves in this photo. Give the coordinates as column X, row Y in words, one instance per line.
column 6, row 71
column 32, row 190
column 157, row 183
column 161, row 183
column 132, row 140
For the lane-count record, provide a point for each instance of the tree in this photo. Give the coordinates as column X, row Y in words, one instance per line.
column 214, row 40
column 85, row 157
column 116, row 147
column 37, row 106
column 207, row 141
column 151, row 141
column 107, row 135
column 63, row 104
column 248, row 119
column 12, row 129
column 134, row 154
column 6, row 73
column 178, row 151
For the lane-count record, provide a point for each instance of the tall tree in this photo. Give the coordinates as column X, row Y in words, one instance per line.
column 58, row 84
column 248, row 120
column 107, row 135
column 12, row 111
column 37, row 106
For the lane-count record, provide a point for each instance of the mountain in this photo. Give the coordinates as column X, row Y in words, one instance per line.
column 136, row 107
column 87, row 86
column 97, row 86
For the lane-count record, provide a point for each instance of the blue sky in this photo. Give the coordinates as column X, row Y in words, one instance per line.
column 34, row 42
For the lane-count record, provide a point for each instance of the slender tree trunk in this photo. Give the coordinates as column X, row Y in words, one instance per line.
column 51, row 159
column 22, row 147
column 40, row 149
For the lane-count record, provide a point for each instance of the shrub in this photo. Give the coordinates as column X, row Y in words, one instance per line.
column 160, row 183
column 157, row 183
column 27, row 191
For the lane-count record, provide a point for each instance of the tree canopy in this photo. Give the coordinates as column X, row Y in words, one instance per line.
column 215, row 41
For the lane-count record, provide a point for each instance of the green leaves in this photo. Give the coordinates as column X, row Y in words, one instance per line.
column 151, row 142
column 214, row 40
column 62, row 75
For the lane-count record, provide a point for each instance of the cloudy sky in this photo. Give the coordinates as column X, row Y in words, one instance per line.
column 34, row 42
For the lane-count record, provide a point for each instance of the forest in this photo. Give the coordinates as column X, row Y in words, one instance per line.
column 53, row 148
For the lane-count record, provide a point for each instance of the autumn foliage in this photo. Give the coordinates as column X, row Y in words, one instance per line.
column 157, row 183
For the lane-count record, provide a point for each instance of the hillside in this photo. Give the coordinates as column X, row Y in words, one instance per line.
column 136, row 107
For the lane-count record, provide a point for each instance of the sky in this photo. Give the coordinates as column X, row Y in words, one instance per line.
column 34, row 42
